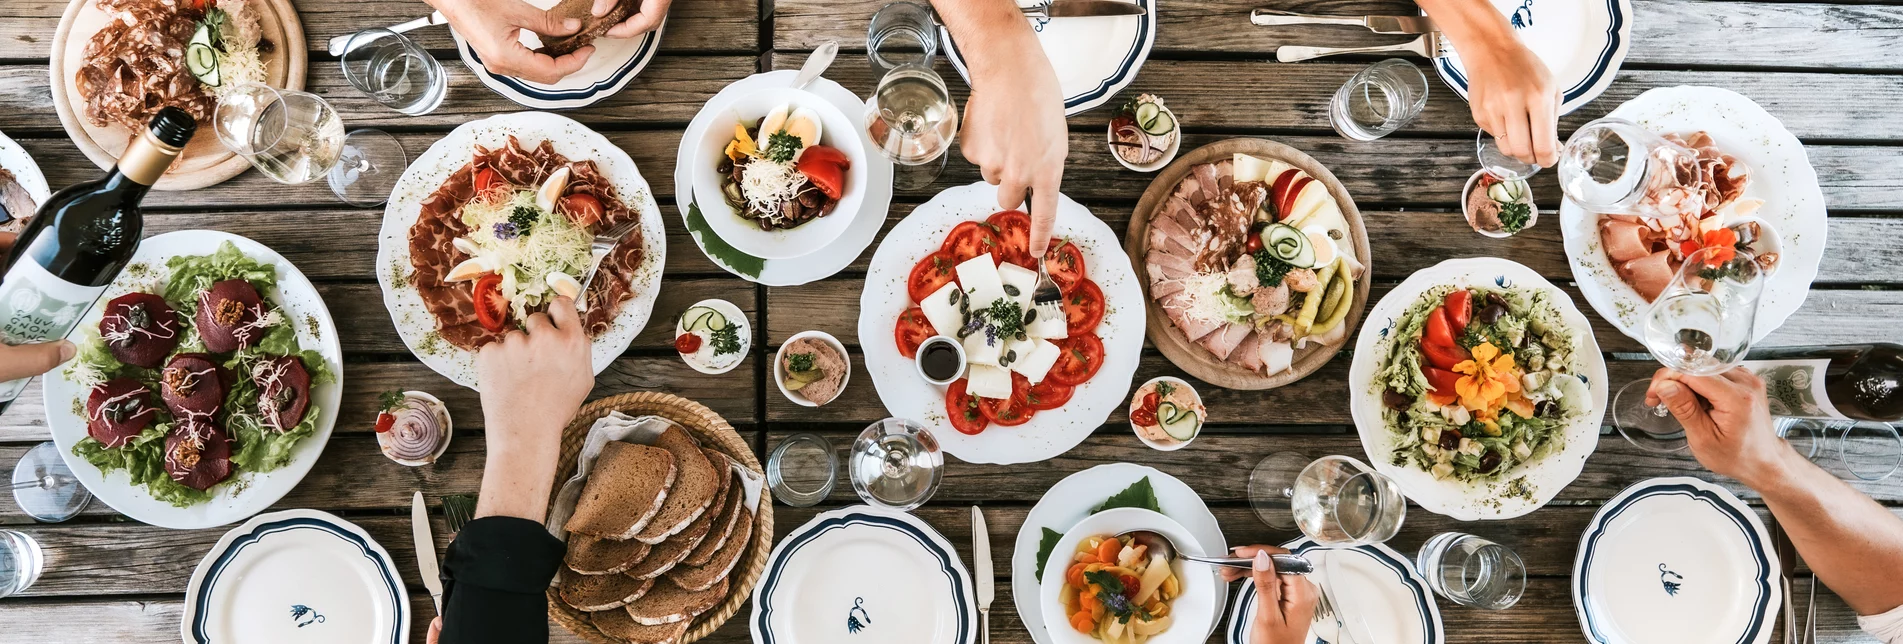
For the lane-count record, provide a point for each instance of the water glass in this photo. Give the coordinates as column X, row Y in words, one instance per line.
column 395, row 71
column 1616, row 166
column 912, row 119
column 896, row 463
column 1337, row 501
column 1472, row 571
column 295, row 137
column 1500, row 164
column 1863, row 450
column 45, row 488
column 801, row 470
column 21, row 562
column 1378, row 100
column 901, row 33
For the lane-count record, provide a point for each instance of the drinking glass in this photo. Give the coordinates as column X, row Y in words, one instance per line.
column 21, row 562
column 1498, row 168
column 295, row 137
column 395, row 71
column 1378, row 100
column 1700, row 325
column 45, row 488
column 801, row 470
column 901, row 33
column 896, row 464
column 1615, row 166
column 1335, row 500
column 1865, row 450
column 912, row 120
column 1472, row 571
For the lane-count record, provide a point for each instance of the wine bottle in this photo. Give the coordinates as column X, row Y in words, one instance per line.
column 1842, row 382
column 80, row 239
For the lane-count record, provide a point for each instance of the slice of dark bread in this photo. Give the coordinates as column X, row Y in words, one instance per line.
column 620, row 625
column 626, row 489
column 596, row 556
column 603, row 592
column 722, row 563
column 591, row 27
column 668, row 604
column 670, row 553
column 693, row 489
column 723, row 525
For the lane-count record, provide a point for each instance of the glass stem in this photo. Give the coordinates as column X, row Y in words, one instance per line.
column 1661, row 411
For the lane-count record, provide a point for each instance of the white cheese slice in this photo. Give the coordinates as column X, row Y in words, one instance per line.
column 1035, row 364
column 1249, row 168
column 988, row 382
column 942, row 313
column 979, row 277
column 1051, row 327
column 1022, row 348
column 1022, row 279
column 980, row 349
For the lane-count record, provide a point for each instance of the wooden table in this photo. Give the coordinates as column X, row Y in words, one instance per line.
column 1832, row 72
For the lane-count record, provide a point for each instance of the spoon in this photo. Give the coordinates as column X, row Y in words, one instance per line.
column 816, row 64
column 1159, row 544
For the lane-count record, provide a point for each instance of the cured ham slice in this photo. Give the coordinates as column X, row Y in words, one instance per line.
column 193, row 386
column 284, row 391
column 1170, row 263
column 1624, row 242
column 1176, row 308
column 140, row 329
column 1249, row 353
column 197, row 454
column 1224, row 341
column 118, row 410
column 230, row 316
column 1649, row 275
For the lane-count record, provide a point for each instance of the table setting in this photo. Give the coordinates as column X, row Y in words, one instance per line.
column 837, row 398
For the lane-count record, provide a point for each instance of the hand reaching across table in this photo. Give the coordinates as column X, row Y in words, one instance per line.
column 492, row 26
column 1509, row 89
column 1285, row 604
column 28, row 360
column 647, row 17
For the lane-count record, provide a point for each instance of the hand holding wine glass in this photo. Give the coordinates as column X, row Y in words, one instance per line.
column 1727, row 421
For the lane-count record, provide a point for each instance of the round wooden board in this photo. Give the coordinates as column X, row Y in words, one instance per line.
column 1193, row 358
column 205, row 160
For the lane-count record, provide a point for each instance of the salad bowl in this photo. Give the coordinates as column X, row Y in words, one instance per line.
column 836, row 131
column 1194, row 612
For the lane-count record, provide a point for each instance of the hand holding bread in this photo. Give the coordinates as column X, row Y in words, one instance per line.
column 532, row 383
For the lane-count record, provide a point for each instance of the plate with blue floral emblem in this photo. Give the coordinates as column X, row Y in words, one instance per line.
column 296, row 577
column 1393, row 601
column 1666, row 550
column 1583, row 42
column 876, row 575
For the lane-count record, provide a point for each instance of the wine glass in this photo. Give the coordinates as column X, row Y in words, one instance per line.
column 1614, row 166
column 295, row 137
column 912, row 120
column 895, row 463
column 1337, row 501
column 1505, row 206
column 1700, row 325
column 45, row 488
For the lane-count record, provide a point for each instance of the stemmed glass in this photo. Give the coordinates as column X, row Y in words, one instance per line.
column 295, row 137
column 1700, row 325
column 1614, row 166
column 1339, row 502
column 910, row 116
column 45, row 488
column 895, row 463
column 1502, row 180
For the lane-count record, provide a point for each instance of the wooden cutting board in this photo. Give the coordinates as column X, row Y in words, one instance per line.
column 205, row 160
column 1192, row 357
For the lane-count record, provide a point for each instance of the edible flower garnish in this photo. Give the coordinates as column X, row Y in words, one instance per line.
column 1486, row 379
column 1722, row 241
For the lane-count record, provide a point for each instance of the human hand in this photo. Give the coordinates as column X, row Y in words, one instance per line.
column 435, row 630
column 532, row 383
column 645, row 19
column 1285, row 604
column 1727, row 421
column 28, row 360
column 1513, row 98
column 1015, row 134
column 492, row 26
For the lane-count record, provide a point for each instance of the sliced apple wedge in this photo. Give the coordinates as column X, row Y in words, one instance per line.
column 1310, row 200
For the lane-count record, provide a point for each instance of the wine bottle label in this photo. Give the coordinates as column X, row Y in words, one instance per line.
column 1796, row 387
column 36, row 306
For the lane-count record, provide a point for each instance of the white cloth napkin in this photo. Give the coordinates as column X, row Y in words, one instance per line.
column 1887, row 627
column 643, row 430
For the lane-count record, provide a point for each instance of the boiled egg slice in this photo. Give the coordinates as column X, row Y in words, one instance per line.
column 551, row 189
column 804, row 123
column 463, row 244
column 563, row 285
column 1325, row 249
column 469, row 269
column 775, row 121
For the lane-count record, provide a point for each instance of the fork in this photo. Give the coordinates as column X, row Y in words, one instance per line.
column 604, row 242
column 1432, row 45
column 458, row 510
column 1046, row 298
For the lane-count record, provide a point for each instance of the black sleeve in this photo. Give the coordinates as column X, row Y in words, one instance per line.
column 493, row 582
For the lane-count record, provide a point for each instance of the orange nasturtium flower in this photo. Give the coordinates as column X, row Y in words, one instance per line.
column 1723, row 242
column 1486, row 380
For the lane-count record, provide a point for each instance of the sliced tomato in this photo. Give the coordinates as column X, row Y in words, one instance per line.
column 1440, row 330
column 1082, row 356
column 1065, row 261
column 930, row 274
column 492, row 309
column 1013, row 411
column 1145, row 414
column 487, row 179
column 687, row 343
column 1014, row 237
column 583, row 209
column 1443, row 382
column 963, row 410
column 912, row 331
column 1459, row 307
column 826, row 168
column 968, row 240
column 1048, row 394
column 1083, row 307
column 1444, row 357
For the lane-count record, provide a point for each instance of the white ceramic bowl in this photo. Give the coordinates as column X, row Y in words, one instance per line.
column 449, row 432
column 743, row 234
column 734, row 316
column 1195, row 611
column 918, row 361
column 779, row 366
column 1180, row 384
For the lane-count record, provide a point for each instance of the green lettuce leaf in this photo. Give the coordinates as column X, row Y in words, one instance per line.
column 1139, row 495
column 194, row 273
column 259, row 448
column 1044, row 547
column 143, row 459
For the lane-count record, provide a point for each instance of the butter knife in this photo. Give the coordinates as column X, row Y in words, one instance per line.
column 337, row 43
column 1082, row 9
column 981, row 572
column 425, row 550
column 1431, row 45
column 1377, row 24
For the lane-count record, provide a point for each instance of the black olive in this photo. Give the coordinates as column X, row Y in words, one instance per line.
column 1496, row 300
column 1022, row 337
column 955, row 293
column 1545, row 408
column 1030, row 315
column 1396, row 400
column 1010, row 290
column 1492, row 313
column 1489, row 460
column 1449, row 439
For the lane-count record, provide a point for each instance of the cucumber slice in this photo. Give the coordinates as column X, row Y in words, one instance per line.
column 1289, row 244
column 1183, row 425
column 1498, row 192
column 1160, row 125
column 702, row 318
column 202, row 60
column 1146, row 114
column 202, row 36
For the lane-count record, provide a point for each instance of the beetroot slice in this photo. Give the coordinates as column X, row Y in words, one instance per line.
column 192, row 385
column 140, row 329
column 226, row 315
column 197, row 454
column 118, row 410
column 284, row 391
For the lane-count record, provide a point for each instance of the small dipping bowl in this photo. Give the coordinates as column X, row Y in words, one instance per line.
column 958, row 351
column 1473, row 183
column 1766, row 247
column 1136, row 399
column 1169, row 153
column 429, row 404
column 734, row 316
column 779, row 366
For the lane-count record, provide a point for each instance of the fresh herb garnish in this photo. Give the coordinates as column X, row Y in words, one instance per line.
column 799, row 362
column 1006, row 318
column 781, row 147
column 1110, row 593
column 1513, row 217
column 389, row 400
column 1139, row 495
column 524, row 219
column 726, row 340
column 1270, row 271
column 1164, row 389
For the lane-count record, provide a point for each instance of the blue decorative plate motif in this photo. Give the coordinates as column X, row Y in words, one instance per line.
column 1093, row 91
column 1595, row 65
column 228, row 575
column 571, row 92
column 858, row 614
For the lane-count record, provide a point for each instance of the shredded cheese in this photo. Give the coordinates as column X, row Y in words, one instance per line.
column 107, row 405
column 1205, row 305
column 267, row 373
column 768, row 185
column 120, row 337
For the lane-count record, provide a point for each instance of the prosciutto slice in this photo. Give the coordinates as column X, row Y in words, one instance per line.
column 118, row 410
column 1624, row 241
column 1649, row 275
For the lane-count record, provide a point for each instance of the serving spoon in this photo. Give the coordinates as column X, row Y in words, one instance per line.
column 1285, row 564
column 816, row 64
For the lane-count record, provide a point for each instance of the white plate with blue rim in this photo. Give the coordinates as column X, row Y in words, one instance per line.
column 296, row 577
column 1094, row 57
column 1391, row 598
column 615, row 62
column 1582, row 42
column 1676, row 560
column 877, row 575
column 1071, row 500
column 14, row 159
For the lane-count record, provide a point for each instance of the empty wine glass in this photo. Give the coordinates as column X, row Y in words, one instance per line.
column 295, row 137
column 395, row 71
column 1337, row 501
column 1497, row 201
column 912, row 120
column 895, row 463
column 1614, row 166
column 45, row 488
column 1699, row 325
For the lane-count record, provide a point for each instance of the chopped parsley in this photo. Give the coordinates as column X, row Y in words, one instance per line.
column 524, row 218
column 726, row 340
column 1513, row 217
column 782, row 147
column 389, row 400
column 799, row 362
column 1164, row 389
column 1006, row 318
column 1270, row 271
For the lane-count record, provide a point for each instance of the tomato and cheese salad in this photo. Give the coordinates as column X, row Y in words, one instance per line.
column 976, row 289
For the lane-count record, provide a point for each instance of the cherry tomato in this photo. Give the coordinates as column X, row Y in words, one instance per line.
column 1048, row 394
column 929, row 274
column 488, row 178
column 1065, row 261
column 687, row 343
column 1145, row 414
column 968, row 240
column 1443, row 382
column 1459, row 309
column 962, row 408
column 385, row 421
column 1014, row 237
column 1131, row 586
column 826, row 168
column 912, row 331
column 1083, row 307
column 1082, row 356
column 492, row 309
column 582, row 209
column 1013, row 411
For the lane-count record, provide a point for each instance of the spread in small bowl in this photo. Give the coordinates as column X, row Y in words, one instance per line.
column 413, row 428
column 1166, row 413
column 811, row 368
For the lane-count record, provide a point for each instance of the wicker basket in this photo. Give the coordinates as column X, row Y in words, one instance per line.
column 714, row 433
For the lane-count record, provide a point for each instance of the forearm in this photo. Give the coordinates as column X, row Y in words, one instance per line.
column 994, row 33
column 518, row 475
column 1851, row 543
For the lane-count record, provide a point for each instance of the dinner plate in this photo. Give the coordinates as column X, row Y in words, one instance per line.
column 1679, row 561
column 906, row 395
column 1094, row 57
column 1515, row 492
column 615, row 62
column 879, row 576
column 296, row 577
column 1388, row 594
column 14, row 159
column 1070, row 501
column 811, row 267
column 1781, row 175
column 573, row 140
column 246, row 493
column 1582, row 44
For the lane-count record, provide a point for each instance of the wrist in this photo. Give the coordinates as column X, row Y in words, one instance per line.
column 1772, row 469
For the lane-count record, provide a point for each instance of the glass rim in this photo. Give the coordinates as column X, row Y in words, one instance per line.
column 806, row 438
column 1843, row 448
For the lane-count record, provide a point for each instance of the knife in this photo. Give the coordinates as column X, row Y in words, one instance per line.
column 337, row 43
column 981, row 573
column 1787, row 567
column 426, row 550
column 1377, row 24
column 1083, row 9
